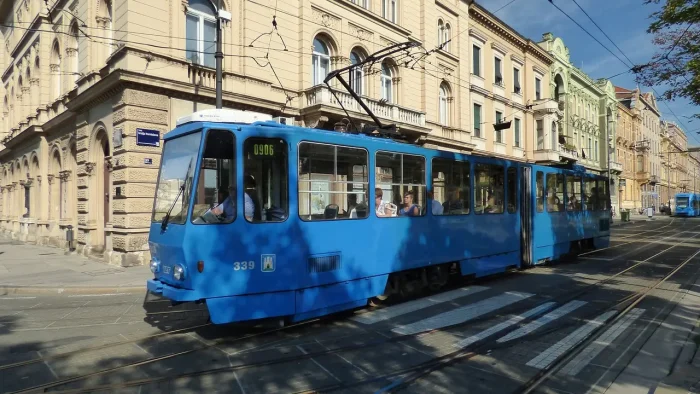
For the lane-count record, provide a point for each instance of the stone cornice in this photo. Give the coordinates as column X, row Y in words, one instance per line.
column 488, row 20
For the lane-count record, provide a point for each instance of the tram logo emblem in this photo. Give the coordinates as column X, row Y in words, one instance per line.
column 267, row 262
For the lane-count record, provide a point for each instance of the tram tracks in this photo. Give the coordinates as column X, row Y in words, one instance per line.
column 401, row 338
column 200, row 326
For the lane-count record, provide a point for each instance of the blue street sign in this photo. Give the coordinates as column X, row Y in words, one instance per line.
column 147, row 137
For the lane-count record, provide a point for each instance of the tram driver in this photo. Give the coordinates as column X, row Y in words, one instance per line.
column 252, row 211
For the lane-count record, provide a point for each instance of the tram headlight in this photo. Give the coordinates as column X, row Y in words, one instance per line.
column 178, row 272
column 155, row 266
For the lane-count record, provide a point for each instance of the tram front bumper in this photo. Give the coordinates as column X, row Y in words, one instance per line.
column 173, row 293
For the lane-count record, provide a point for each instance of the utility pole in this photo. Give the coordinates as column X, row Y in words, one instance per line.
column 219, row 55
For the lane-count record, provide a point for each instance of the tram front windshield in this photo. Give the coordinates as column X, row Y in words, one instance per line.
column 681, row 202
column 175, row 181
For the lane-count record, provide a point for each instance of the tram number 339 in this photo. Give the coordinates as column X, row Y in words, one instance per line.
column 243, row 265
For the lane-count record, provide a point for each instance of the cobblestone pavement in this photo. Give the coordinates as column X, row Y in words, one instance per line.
column 507, row 330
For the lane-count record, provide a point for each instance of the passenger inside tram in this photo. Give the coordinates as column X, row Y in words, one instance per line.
column 409, row 208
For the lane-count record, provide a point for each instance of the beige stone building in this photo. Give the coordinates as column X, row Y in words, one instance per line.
column 679, row 169
column 647, row 144
column 83, row 80
column 628, row 132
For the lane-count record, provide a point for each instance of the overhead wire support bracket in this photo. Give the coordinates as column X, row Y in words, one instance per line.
column 373, row 58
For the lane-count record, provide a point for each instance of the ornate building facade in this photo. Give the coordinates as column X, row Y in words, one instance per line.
column 587, row 118
column 647, row 145
column 84, row 83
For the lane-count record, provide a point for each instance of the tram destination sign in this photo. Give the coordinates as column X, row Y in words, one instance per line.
column 146, row 137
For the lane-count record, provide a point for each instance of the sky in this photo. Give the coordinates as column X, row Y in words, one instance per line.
column 625, row 21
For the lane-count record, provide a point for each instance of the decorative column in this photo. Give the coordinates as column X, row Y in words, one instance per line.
column 55, row 83
column 26, row 104
column 66, row 184
column 35, row 94
column 103, row 51
column 49, row 181
column 71, row 63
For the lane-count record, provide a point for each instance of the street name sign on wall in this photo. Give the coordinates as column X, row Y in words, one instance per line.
column 145, row 137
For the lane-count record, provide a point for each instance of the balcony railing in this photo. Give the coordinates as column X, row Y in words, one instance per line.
column 615, row 167
column 556, row 155
column 321, row 95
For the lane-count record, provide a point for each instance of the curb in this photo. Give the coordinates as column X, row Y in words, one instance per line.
column 67, row 290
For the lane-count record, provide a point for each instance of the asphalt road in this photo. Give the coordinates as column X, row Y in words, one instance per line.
column 493, row 335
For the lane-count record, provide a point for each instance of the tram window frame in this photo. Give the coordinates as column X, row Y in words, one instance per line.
column 539, row 191
column 231, row 173
column 588, row 185
column 331, row 180
column 453, row 181
column 161, row 204
column 281, row 173
column 603, row 185
column 417, row 189
column 558, row 191
column 572, row 181
column 512, row 190
column 492, row 171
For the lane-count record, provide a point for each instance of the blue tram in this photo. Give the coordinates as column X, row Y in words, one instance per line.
column 264, row 220
column 687, row 204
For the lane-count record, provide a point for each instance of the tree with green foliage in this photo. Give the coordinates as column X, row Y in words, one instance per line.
column 676, row 29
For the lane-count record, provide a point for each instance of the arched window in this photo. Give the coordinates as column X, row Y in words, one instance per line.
column 55, row 72
column 321, row 61
column 201, row 32
column 357, row 75
column 441, row 32
column 387, row 83
column 443, row 95
column 73, row 51
column 446, row 37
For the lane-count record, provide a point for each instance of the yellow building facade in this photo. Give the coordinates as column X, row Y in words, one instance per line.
column 82, row 81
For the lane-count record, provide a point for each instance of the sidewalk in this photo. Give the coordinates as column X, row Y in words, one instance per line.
column 31, row 269
column 669, row 361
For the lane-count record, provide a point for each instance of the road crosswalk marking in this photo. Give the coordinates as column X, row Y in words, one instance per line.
column 502, row 326
column 391, row 312
column 588, row 354
column 553, row 352
column 463, row 314
column 546, row 319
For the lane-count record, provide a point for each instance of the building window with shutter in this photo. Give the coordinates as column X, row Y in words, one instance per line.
column 498, row 80
column 516, row 81
column 538, row 86
column 476, row 60
column 499, row 133
column 477, row 120
column 517, row 133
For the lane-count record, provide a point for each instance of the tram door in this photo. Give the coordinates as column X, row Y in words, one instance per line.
column 526, row 218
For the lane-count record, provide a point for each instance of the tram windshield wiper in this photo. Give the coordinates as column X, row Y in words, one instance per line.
column 166, row 218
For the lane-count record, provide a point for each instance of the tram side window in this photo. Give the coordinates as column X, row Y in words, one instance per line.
column 489, row 189
column 512, row 190
column 555, row 192
column 401, row 178
column 266, row 180
column 450, row 187
column 603, row 194
column 589, row 197
column 332, row 182
column 539, row 180
column 215, row 196
column 573, row 192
